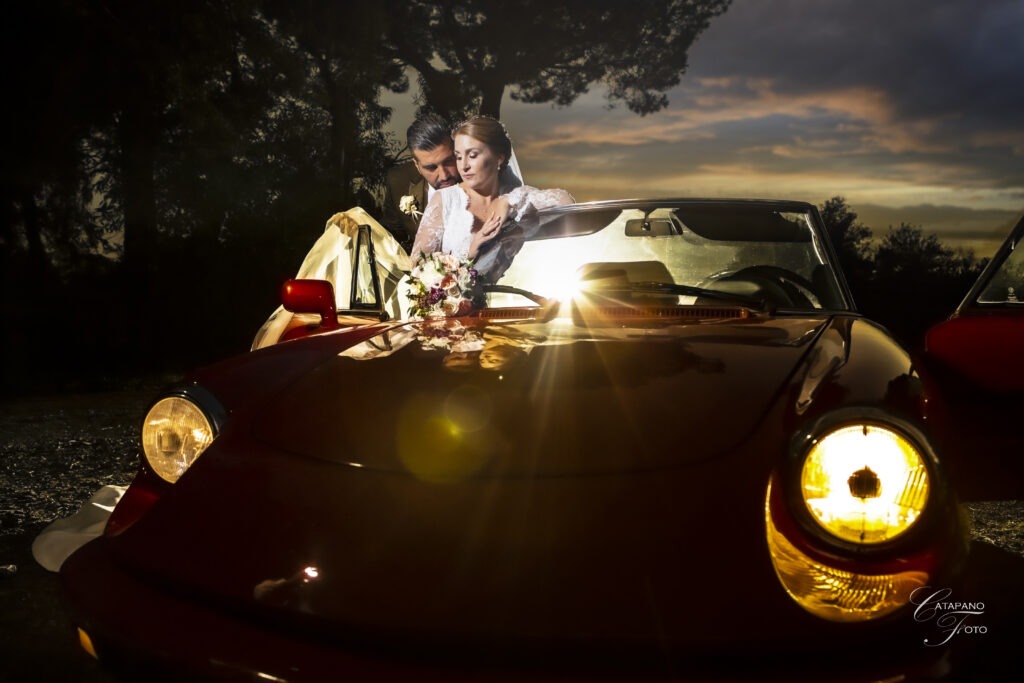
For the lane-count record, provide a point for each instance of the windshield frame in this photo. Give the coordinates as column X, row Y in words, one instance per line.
column 1014, row 241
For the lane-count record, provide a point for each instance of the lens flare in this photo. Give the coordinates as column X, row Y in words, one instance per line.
column 442, row 442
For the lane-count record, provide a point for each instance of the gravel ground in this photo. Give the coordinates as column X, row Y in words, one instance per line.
column 999, row 523
column 56, row 451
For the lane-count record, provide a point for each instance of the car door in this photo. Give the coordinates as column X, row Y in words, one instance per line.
column 975, row 362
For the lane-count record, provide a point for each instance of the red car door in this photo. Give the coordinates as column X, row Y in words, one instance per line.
column 975, row 361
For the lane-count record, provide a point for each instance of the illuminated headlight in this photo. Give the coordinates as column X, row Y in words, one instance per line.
column 835, row 593
column 174, row 433
column 864, row 483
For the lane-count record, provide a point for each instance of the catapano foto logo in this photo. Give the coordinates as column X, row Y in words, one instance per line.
column 949, row 617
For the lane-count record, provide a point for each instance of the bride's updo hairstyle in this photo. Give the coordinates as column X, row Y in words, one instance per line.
column 489, row 131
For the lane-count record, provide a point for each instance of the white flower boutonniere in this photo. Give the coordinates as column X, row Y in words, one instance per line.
column 408, row 206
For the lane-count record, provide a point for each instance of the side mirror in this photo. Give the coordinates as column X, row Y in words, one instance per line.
column 311, row 296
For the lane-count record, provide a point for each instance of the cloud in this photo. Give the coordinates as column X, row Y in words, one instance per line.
column 856, row 120
column 896, row 104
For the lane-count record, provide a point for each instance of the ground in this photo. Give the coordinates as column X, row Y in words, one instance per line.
column 55, row 451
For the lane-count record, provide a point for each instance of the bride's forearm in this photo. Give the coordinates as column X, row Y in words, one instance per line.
column 526, row 199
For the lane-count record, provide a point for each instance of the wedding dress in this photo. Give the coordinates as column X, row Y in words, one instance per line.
column 60, row 538
column 447, row 224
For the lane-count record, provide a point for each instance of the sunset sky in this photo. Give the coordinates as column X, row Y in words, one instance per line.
column 913, row 110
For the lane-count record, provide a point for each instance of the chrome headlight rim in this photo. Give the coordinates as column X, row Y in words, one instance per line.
column 916, row 535
column 200, row 398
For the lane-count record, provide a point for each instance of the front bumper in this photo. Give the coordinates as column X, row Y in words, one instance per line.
column 142, row 631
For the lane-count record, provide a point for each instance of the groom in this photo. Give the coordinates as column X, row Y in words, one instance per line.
column 410, row 185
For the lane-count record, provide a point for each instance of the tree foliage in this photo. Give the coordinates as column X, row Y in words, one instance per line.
column 908, row 280
column 851, row 239
column 468, row 52
column 160, row 154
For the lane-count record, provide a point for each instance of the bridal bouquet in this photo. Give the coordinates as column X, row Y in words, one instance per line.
column 441, row 285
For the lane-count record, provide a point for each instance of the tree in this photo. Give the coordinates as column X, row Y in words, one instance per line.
column 44, row 187
column 917, row 281
column 851, row 240
column 468, row 52
column 341, row 44
column 136, row 66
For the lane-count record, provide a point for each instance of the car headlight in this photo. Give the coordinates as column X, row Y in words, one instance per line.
column 835, row 593
column 175, row 432
column 864, row 483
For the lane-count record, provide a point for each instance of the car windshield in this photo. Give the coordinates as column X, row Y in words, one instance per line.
column 750, row 253
column 1007, row 283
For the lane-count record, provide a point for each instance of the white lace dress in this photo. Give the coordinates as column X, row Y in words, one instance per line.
column 447, row 224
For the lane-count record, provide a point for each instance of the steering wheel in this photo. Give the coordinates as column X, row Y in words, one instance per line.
column 781, row 286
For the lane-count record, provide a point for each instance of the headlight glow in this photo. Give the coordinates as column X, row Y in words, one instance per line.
column 174, row 433
column 837, row 594
column 864, row 483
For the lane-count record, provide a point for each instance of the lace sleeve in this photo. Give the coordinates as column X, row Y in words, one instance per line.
column 431, row 230
column 525, row 200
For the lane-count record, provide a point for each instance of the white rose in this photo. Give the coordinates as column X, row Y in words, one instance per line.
column 408, row 206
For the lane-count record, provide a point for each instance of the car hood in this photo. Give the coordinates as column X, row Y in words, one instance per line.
column 451, row 399
column 594, row 487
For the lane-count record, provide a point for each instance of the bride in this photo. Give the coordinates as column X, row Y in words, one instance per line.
column 464, row 219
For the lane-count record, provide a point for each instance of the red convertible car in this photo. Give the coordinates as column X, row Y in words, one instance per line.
column 663, row 435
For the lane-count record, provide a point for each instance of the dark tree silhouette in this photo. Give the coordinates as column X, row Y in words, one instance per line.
column 138, row 67
column 908, row 281
column 169, row 161
column 341, row 45
column 44, row 186
column 468, row 52
column 917, row 281
column 852, row 242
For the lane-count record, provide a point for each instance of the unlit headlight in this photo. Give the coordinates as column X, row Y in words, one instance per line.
column 864, row 483
column 174, row 433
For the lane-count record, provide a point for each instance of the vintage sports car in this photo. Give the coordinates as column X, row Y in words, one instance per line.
column 976, row 362
column 662, row 436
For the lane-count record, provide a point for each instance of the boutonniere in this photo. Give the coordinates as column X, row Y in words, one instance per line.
column 408, row 206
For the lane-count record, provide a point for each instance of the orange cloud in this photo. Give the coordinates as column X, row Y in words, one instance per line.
column 864, row 113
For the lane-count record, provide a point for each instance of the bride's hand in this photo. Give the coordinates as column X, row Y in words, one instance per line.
column 491, row 226
column 499, row 211
column 488, row 231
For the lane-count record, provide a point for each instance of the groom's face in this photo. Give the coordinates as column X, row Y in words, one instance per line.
column 437, row 166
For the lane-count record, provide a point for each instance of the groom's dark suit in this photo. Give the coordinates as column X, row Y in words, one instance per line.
column 404, row 180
